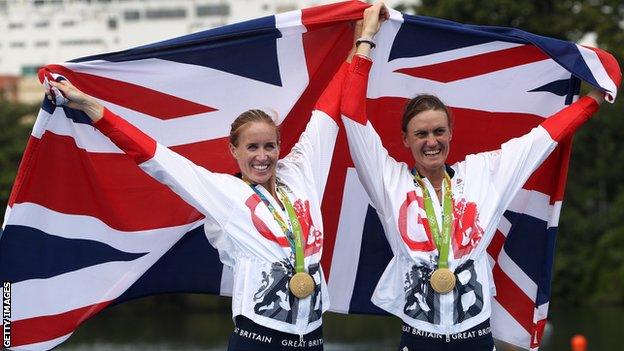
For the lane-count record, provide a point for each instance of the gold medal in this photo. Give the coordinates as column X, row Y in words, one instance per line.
column 302, row 285
column 442, row 280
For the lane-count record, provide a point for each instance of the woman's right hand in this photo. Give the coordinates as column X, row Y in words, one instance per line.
column 78, row 100
column 373, row 17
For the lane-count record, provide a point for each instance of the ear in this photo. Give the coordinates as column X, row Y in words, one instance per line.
column 404, row 137
column 233, row 150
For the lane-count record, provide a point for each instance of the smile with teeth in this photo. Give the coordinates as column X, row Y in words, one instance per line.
column 432, row 152
column 260, row 167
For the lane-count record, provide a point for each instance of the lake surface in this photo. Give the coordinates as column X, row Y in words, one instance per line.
column 161, row 327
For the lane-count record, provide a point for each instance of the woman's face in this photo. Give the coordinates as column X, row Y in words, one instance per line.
column 257, row 152
column 428, row 136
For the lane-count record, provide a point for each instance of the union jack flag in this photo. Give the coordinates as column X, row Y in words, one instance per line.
column 86, row 229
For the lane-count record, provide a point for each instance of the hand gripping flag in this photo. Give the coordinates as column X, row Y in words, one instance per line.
column 86, row 229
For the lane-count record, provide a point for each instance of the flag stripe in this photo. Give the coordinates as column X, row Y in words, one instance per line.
column 27, row 162
column 28, row 261
column 604, row 69
column 90, row 139
column 34, row 330
column 609, row 64
column 536, row 241
column 496, row 245
column 125, row 94
column 45, row 345
column 333, row 199
column 514, row 300
column 179, row 268
column 533, row 204
column 324, row 16
column 473, row 66
column 68, row 291
column 502, row 323
column 351, row 222
column 145, row 203
column 83, row 227
column 524, row 282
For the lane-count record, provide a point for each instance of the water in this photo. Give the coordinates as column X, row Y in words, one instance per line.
column 161, row 327
column 603, row 327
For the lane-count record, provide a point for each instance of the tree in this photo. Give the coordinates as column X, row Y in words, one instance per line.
column 16, row 122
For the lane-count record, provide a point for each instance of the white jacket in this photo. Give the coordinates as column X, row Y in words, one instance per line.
column 483, row 186
column 241, row 226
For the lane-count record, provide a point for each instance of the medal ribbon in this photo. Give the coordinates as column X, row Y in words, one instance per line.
column 296, row 231
column 294, row 234
column 442, row 238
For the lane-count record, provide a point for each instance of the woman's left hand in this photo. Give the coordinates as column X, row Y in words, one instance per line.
column 597, row 95
column 78, row 100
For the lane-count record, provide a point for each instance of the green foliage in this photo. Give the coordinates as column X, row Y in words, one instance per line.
column 589, row 262
column 590, row 252
column 15, row 126
column 509, row 13
column 606, row 19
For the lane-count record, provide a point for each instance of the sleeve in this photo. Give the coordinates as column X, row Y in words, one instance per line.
column 518, row 158
column 204, row 190
column 376, row 170
column 313, row 152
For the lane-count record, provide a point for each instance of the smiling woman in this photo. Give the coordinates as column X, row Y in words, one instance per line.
column 439, row 218
column 254, row 143
column 427, row 132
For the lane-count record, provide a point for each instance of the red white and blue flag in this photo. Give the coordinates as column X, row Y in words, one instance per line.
column 86, row 228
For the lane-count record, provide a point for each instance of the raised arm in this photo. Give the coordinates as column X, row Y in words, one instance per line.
column 195, row 185
column 374, row 166
column 314, row 150
column 312, row 154
column 518, row 158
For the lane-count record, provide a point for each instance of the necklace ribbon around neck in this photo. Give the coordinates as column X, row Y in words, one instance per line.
column 301, row 283
column 442, row 280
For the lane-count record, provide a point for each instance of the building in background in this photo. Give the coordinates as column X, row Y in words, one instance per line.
column 37, row 32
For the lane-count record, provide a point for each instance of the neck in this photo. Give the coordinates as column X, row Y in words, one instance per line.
column 435, row 176
column 270, row 186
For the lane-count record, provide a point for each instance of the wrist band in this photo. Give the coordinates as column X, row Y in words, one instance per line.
column 369, row 41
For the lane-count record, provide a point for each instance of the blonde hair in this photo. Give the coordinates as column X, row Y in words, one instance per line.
column 247, row 117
